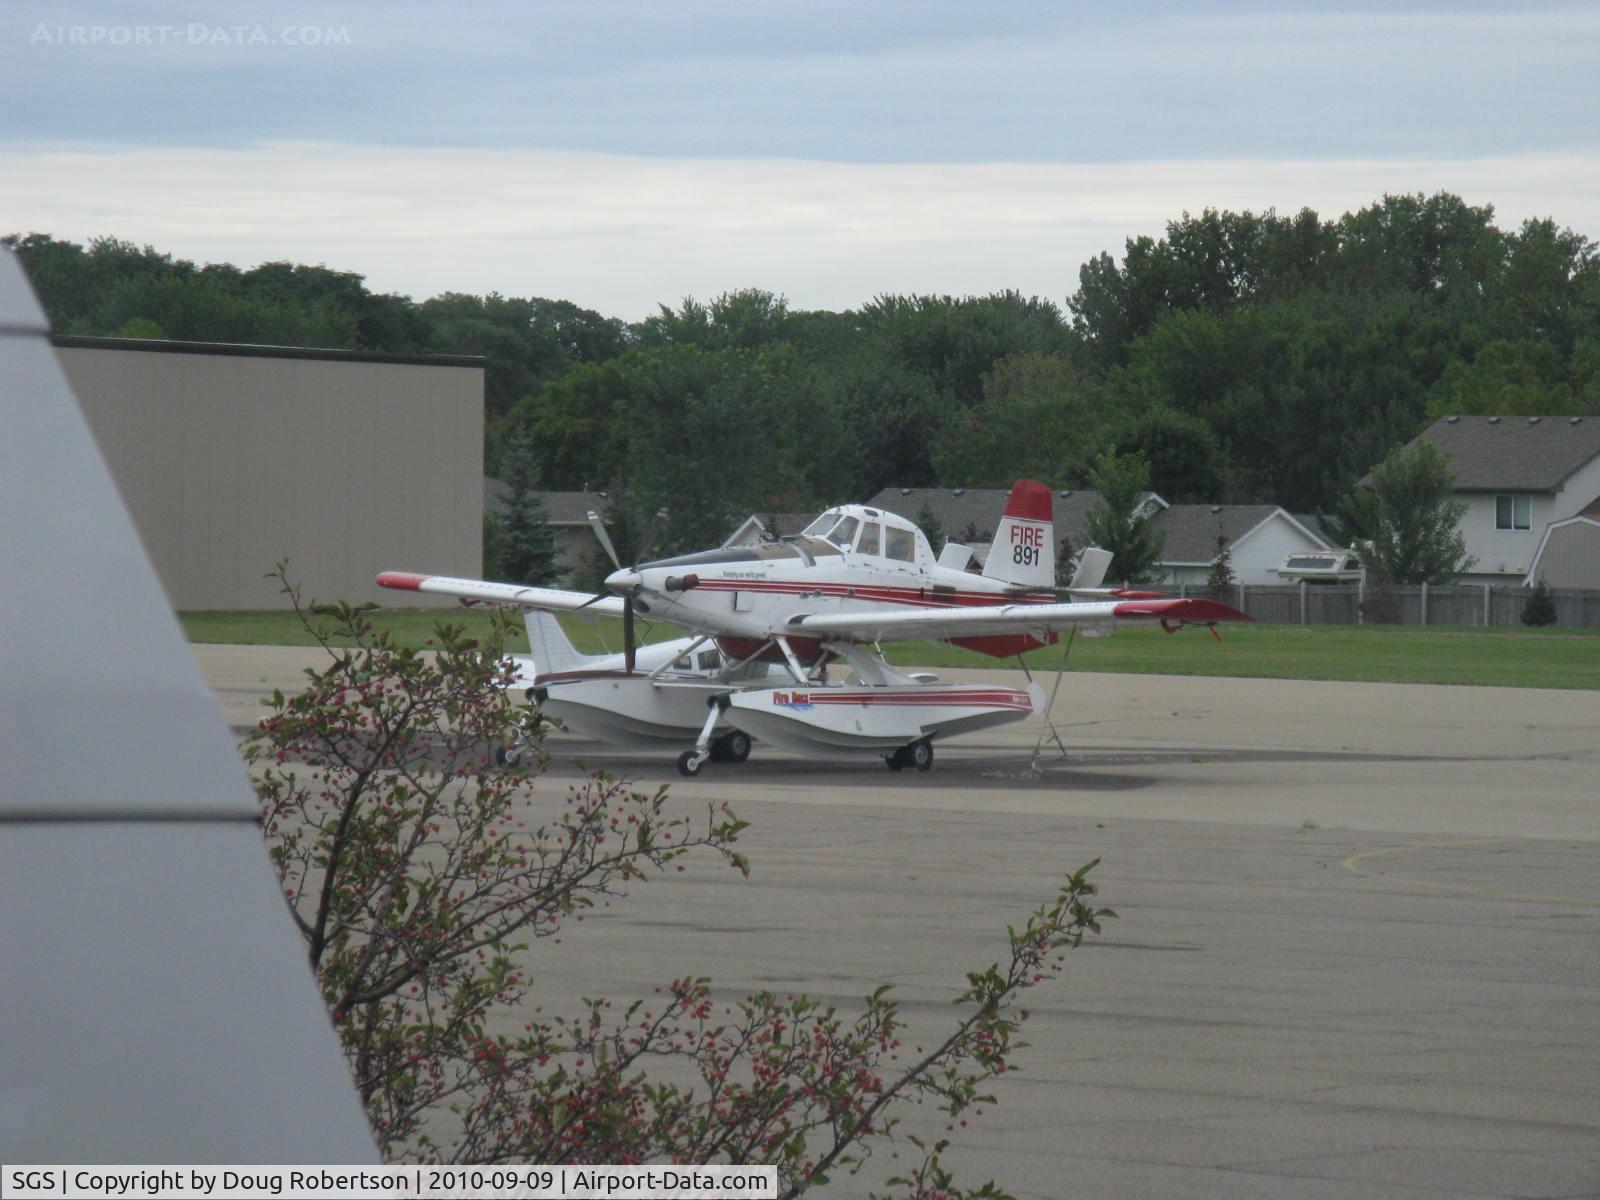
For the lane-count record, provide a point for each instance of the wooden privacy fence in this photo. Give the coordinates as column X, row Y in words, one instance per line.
column 1481, row 604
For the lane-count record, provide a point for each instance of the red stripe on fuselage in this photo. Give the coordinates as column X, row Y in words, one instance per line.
column 924, row 597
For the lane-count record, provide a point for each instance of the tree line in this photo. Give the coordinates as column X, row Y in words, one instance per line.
column 1241, row 356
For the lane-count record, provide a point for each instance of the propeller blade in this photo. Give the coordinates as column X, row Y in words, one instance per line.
column 650, row 535
column 591, row 600
column 629, row 649
column 599, row 528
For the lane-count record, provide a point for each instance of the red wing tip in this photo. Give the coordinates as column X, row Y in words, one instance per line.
column 407, row 581
column 1197, row 609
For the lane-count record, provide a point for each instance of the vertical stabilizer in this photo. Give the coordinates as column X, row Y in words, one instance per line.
column 549, row 646
column 1024, row 549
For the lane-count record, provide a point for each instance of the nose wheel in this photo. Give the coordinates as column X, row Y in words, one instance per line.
column 732, row 747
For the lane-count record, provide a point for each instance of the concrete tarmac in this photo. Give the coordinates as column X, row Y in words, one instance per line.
column 1358, row 950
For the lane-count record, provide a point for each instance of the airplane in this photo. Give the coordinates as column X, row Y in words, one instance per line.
column 777, row 613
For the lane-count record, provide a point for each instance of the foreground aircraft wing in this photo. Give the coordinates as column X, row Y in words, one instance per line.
column 979, row 620
column 483, row 592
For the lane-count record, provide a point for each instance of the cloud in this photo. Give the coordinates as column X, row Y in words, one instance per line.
column 622, row 233
column 931, row 81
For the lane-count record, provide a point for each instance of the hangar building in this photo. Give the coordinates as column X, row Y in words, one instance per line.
column 233, row 457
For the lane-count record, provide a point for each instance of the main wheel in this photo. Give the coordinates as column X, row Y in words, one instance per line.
column 689, row 763
column 919, row 755
column 731, row 747
column 895, row 761
column 507, row 757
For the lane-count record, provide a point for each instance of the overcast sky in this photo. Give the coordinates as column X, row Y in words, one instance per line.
column 622, row 153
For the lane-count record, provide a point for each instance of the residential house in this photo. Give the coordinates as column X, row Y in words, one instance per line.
column 1260, row 538
column 1517, row 477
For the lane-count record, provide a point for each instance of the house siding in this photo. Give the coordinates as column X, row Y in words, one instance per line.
column 1502, row 553
column 1257, row 558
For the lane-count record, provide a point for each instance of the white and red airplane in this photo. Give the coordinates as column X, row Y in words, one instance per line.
column 765, row 621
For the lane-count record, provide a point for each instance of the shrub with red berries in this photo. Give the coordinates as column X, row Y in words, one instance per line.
column 418, row 879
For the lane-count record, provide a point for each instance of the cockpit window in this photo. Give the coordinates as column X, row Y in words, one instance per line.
column 844, row 532
column 820, row 526
column 871, row 539
column 902, row 545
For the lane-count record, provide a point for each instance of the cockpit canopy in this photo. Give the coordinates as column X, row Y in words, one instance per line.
column 866, row 531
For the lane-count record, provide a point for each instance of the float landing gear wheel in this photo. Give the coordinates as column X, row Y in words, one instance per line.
column 731, row 747
column 689, row 763
column 918, row 755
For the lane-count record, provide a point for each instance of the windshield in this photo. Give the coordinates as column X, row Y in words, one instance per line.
column 820, row 526
column 844, row 532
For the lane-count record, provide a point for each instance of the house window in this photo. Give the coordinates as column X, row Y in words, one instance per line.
column 1513, row 512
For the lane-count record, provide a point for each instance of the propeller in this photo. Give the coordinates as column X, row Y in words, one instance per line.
column 629, row 644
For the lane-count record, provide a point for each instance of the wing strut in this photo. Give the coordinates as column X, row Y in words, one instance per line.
column 1049, row 727
column 794, row 663
column 682, row 654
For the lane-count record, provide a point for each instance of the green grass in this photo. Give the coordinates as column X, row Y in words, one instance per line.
column 1504, row 657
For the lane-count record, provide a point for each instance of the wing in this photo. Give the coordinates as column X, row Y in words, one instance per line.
column 903, row 624
column 483, row 592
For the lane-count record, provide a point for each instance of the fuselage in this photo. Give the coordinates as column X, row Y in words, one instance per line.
column 850, row 559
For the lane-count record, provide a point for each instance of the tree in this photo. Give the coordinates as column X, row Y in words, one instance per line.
column 1540, row 607
column 1408, row 522
column 928, row 522
column 527, row 545
column 1116, row 522
column 419, row 873
column 1221, row 583
column 1036, row 420
column 1066, row 561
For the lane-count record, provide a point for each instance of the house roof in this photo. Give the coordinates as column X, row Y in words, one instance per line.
column 1591, row 509
column 982, row 508
column 787, row 524
column 1513, row 454
column 776, row 524
column 1191, row 529
column 560, row 508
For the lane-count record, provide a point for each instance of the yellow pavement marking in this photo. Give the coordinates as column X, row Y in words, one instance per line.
column 1350, row 864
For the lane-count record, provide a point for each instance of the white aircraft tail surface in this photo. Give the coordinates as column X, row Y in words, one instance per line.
column 1092, row 566
column 549, row 646
column 1024, row 549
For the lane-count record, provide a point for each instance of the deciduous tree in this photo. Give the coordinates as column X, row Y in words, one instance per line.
column 1408, row 519
column 1117, row 521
